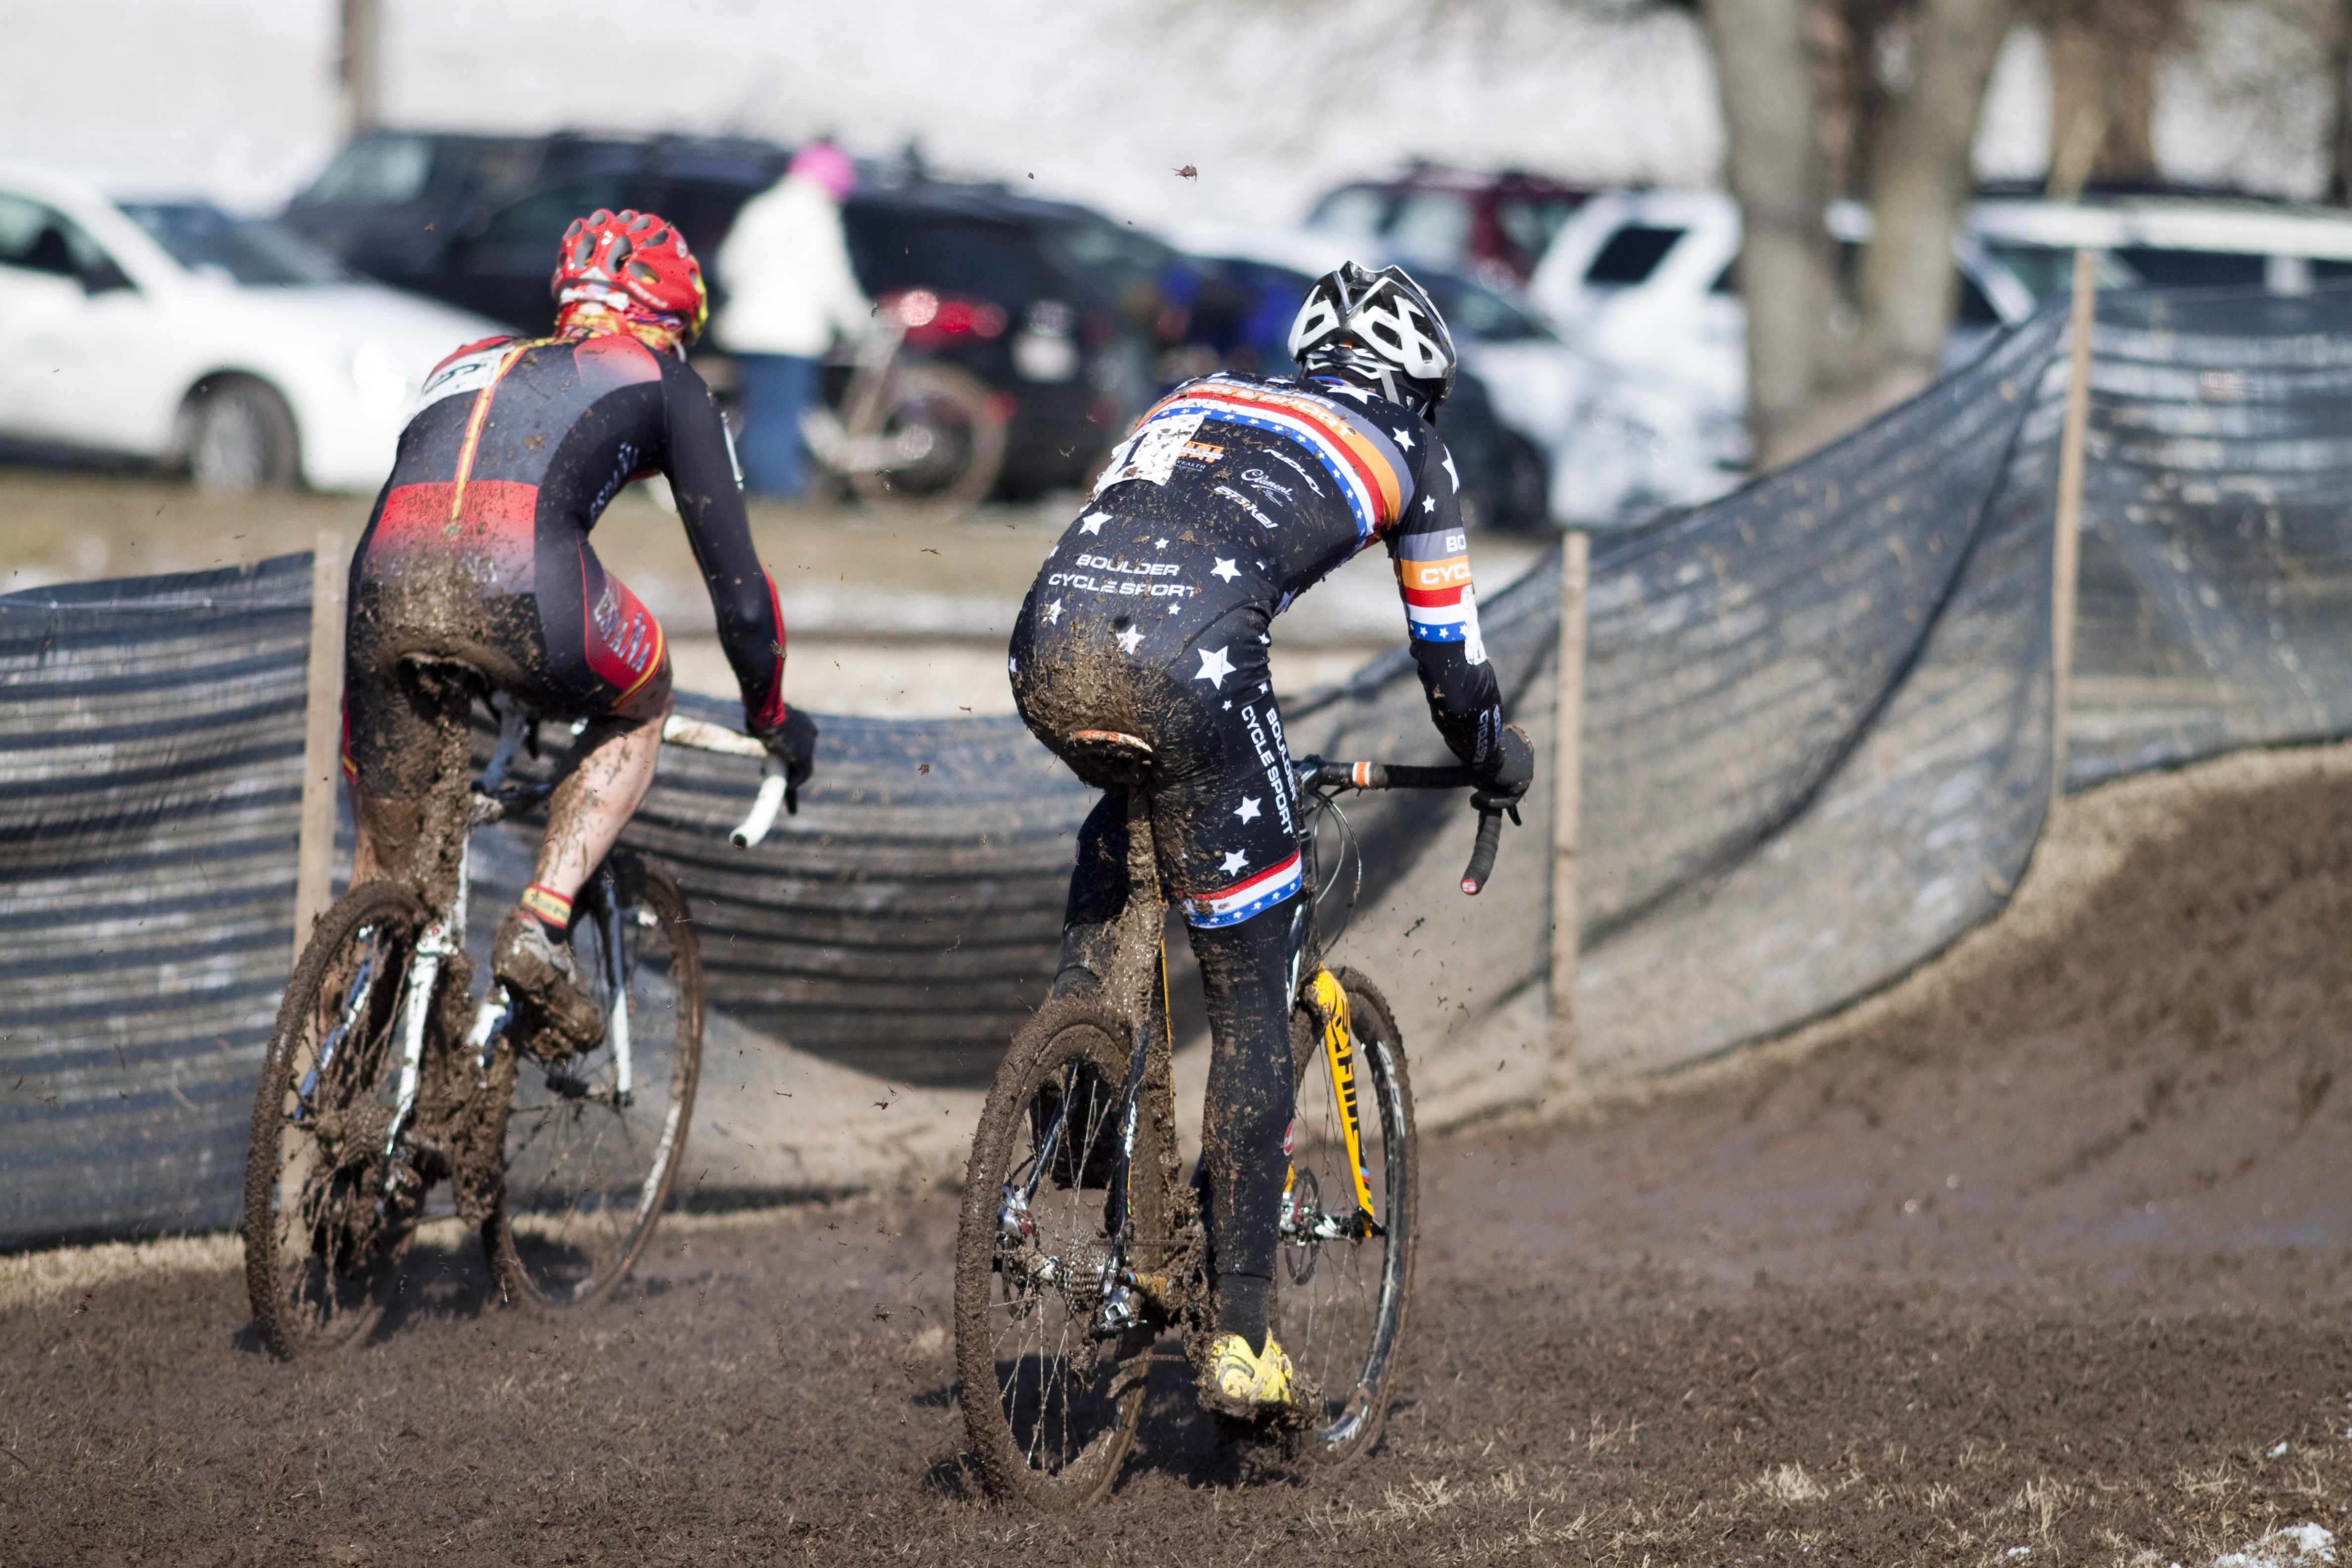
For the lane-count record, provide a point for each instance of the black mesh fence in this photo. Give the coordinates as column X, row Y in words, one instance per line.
column 2217, row 562
column 1817, row 741
column 151, row 751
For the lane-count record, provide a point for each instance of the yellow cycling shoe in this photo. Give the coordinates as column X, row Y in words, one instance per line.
column 1249, row 1384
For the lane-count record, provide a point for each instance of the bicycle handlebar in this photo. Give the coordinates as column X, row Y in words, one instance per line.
column 1320, row 774
column 701, row 735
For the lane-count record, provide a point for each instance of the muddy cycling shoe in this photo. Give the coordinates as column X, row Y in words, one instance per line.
column 1251, row 1385
column 539, row 971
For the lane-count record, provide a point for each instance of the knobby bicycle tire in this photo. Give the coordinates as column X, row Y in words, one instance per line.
column 586, row 1171
column 321, row 1243
column 1340, row 1304
column 1049, row 1411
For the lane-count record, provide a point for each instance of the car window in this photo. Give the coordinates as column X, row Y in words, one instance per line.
column 1530, row 225
column 1475, row 312
column 1973, row 309
column 39, row 239
column 893, row 250
column 2192, row 268
column 1355, row 211
column 1632, row 254
column 376, row 171
column 1431, row 223
column 248, row 251
column 702, row 210
column 539, row 219
column 2047, row 272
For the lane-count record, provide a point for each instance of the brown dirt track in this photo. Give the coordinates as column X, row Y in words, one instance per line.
column 2043, row 1249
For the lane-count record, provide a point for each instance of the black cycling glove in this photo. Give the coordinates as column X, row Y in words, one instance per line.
column 1506, row 774
column 791, row 742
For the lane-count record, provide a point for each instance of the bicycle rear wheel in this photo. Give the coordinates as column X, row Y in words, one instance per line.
column 1340, row 1295
column 1050, row 1409
column 321, row 1231
column 592, row 1143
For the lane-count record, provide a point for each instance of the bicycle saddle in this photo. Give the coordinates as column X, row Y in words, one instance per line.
column 1102, row 756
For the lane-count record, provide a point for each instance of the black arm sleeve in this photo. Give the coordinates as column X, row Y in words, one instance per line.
column 1431, row 551
column 701, row 472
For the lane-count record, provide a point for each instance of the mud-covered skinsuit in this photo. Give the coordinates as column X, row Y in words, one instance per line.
column 478, row 546
column 1232, row 496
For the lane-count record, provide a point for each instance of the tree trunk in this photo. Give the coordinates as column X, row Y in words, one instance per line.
column 2338, row 56
column 1809, row 382
column 1764, row 73
column 1919, row 181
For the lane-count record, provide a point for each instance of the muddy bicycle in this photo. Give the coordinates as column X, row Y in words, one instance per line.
column 1078, row 1245
column 385, row 1076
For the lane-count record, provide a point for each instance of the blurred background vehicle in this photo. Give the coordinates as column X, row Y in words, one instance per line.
column 1049, row 306
column 1647, row 284
column 225, row 344
column 1495, row 226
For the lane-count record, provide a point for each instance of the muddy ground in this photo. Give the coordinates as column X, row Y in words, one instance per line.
column 2041, row 1258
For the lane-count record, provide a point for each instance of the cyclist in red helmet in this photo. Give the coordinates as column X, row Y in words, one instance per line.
column 478, row 551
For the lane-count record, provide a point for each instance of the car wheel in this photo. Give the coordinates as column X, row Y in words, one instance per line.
column 238, row 436
column 1522, row 501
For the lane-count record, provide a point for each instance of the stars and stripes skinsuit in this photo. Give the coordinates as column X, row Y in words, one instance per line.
column 1232, row 496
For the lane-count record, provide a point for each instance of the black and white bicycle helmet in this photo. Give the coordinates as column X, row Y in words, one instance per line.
column 1381, row 326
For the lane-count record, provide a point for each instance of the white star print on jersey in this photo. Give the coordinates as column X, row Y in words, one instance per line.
column 1403, row 439
column 1451, row 473
column 1234, row 862
column 1247, row 811
column 1225, row 569
column 1128, row 640
column 1429, row 503
column 1092, row 522
column 1054, row 613
column 1214, row 668
column 1161, row 545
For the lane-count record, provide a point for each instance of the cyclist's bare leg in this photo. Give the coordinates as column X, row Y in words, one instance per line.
column 613, row 768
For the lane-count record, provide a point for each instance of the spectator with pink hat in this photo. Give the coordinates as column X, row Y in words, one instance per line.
column 790, row 293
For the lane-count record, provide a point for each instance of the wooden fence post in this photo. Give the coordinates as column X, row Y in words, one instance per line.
column 2066, row 554
column 1567, row 798
column 321, row 740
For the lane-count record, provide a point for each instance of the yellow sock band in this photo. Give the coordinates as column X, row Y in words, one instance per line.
column 551, row 908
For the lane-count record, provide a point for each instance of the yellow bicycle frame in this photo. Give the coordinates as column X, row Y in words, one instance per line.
column 1339, row 1051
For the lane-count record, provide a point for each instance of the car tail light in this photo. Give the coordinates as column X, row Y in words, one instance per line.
column 931, row 320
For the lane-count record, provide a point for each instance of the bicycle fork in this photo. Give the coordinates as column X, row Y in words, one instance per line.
column 441, row 938
column 1340, row 1051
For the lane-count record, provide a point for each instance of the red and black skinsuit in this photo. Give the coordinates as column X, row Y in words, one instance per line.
column 478, row 546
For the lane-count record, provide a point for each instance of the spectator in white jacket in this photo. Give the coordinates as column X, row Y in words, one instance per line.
column 790, row 292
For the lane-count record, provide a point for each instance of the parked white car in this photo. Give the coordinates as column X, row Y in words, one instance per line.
column 175, row 333
column 1642, row 281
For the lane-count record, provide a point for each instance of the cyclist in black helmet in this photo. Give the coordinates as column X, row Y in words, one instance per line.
column 1228, row 500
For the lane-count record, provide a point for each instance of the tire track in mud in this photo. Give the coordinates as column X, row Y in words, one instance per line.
column 2044, row 1248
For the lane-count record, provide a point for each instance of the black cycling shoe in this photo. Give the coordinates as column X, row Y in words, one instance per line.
column 539, row 971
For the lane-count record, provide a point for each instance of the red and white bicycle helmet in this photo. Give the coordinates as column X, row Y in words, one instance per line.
column 636, row 264
column 1381, row 326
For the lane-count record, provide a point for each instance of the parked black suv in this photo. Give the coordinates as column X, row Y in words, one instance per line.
column 1066, row 335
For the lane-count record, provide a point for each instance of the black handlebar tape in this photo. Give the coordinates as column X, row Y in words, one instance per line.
column 1482, row 857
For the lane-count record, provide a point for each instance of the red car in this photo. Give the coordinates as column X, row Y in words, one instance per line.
column 1457, row 218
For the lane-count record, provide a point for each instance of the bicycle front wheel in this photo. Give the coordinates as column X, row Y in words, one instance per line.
column 593, row 1142
column 322, row 1230
column 1341, row 1285
column 1050, row 1403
